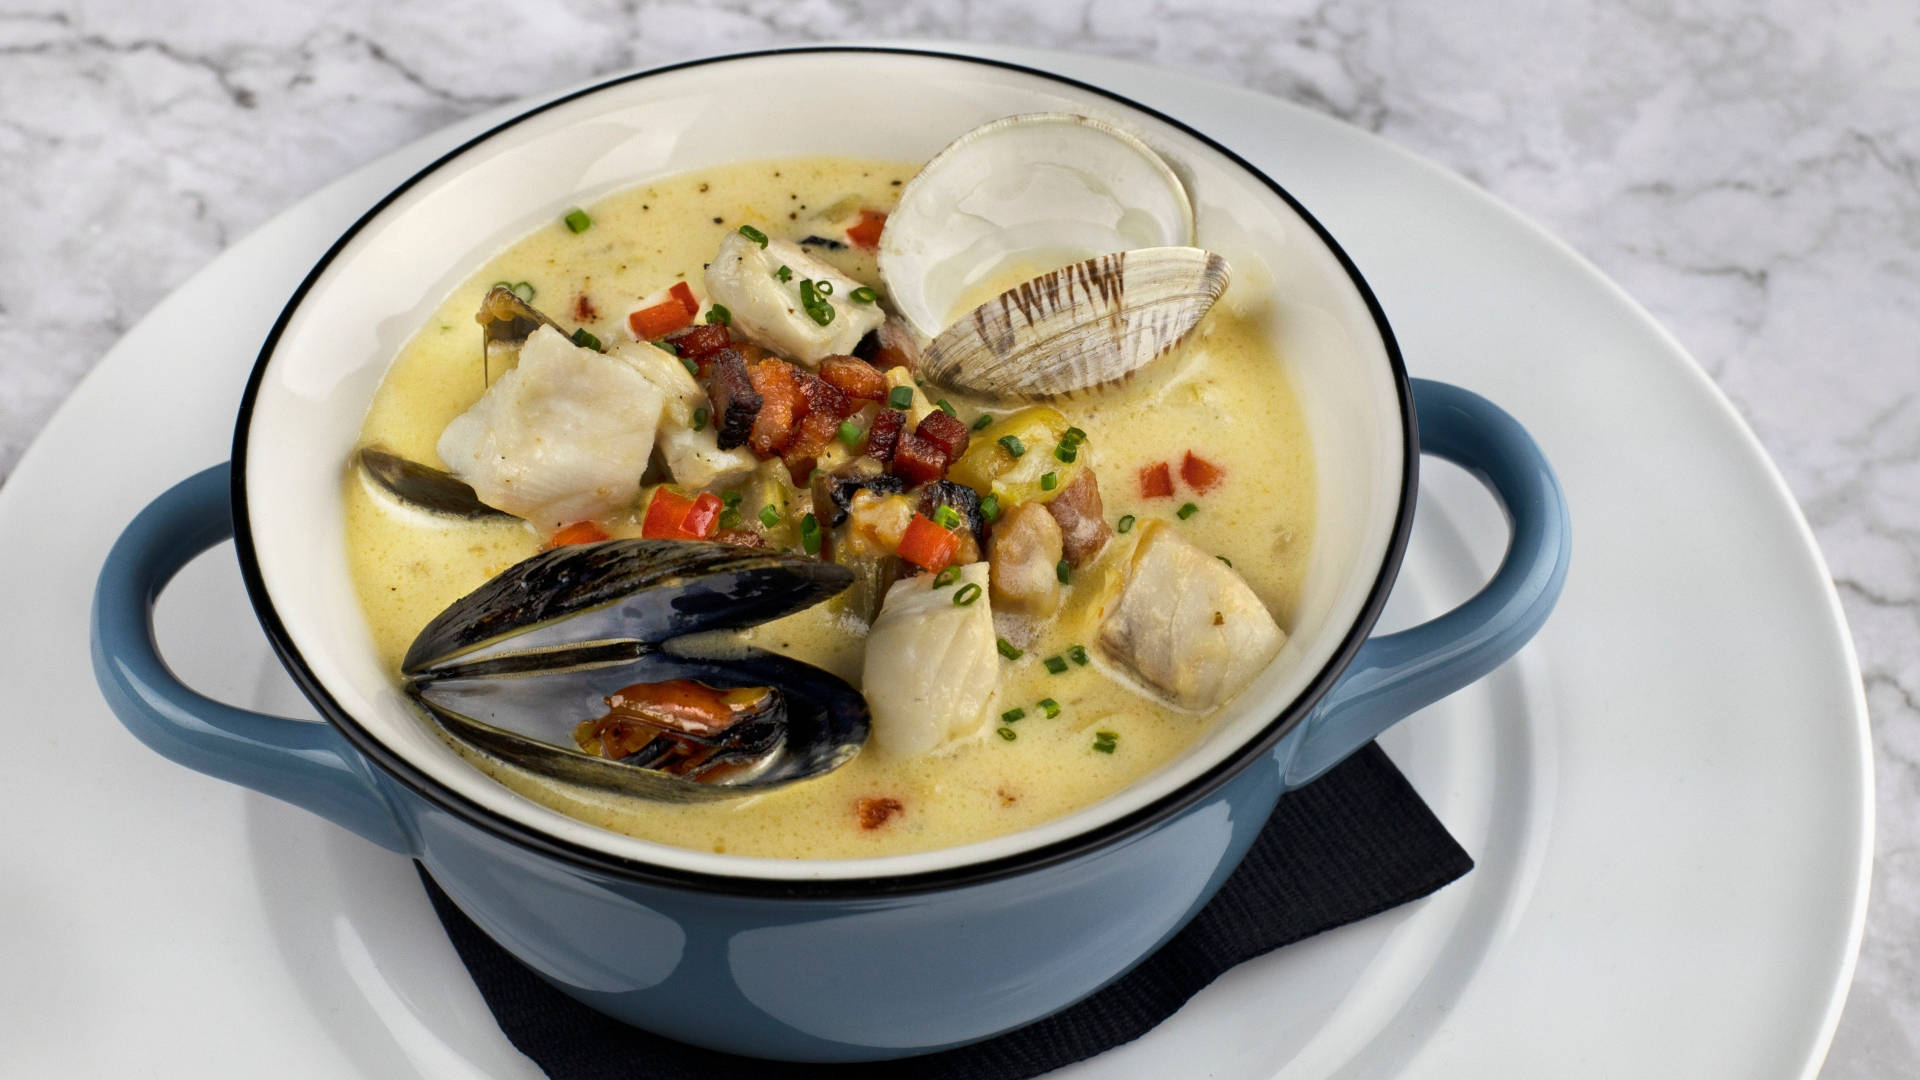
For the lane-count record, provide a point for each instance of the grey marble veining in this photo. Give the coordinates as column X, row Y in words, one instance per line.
column 1750, row 171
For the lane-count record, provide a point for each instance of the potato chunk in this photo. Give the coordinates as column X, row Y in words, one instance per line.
column 1024, row 559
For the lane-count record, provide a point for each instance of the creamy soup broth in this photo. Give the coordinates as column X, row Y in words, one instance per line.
column 1225, row 398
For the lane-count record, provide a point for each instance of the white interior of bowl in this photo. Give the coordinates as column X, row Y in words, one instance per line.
column 402, row 264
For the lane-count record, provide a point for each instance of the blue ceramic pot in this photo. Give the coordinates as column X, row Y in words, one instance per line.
column 840, row 968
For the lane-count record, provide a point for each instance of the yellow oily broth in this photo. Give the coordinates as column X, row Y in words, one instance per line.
column 1225, row 400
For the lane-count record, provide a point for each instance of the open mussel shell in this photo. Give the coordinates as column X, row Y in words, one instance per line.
column 423, row 487
column 538, row 613
column 528, row 722
column 1082, row 327
column 505, row 319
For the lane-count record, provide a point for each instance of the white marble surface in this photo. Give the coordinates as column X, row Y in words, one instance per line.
column 1750, row 171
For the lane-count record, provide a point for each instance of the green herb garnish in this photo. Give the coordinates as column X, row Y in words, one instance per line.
column 586, row 340
column 1007, row 649
column 946, row 517
column 967, row 594
column 1056, row 665
column 754, row 235
column 785, row 273
column 1062, row 571
column 1186, row 511
column 810, row 534
column 946, row 577
column 863, row 295
column 1077, row 654
column 1013, row 716
column 718, row 313
column 983, row 423
column 1050, row 707
column 769, row 516
column 700, row 419
column 1125, row 524
column 577, row 220
column 1007, row 733
column 1013, row 445
column 990, row 508
column 900, row 397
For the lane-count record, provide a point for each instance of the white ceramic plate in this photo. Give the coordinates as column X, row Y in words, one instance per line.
column 1668, row 793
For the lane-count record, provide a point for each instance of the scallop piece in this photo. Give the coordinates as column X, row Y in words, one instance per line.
column 931, row 663
column 1019, row 196
column 744, row 278
column 562, row 437
column 1187, row 624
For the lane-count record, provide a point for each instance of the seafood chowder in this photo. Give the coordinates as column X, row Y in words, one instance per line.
column 828, row 508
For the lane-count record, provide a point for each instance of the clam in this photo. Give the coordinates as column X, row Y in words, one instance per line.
column 620, row 647
column 506, row 322
column 1044, row 255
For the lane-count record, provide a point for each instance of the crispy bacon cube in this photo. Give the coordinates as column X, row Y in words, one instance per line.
column 885, row 433
column 700, row 341
column 944, row 431
column 918, row 460
column 811, row 438
column 854, row 377
column 781, row 406
column 822, row 397
column 736, row 404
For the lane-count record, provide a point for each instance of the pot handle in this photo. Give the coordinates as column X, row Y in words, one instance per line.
column 303, row 762
column 1396, row 674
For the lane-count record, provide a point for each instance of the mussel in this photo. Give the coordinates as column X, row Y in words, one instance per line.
column 620, row 646
column 423, row 486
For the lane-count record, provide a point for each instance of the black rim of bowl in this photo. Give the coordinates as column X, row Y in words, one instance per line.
column 1193, row 791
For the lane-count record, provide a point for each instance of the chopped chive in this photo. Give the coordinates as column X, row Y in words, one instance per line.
column 692, row 368
column 1105, row 741
column 1049, row 481
column 1013, row 716
column 1062, row 571
column 507, row 285
column 1108, row 736
column 586, row 340
column 990, row 508
column 823, row 287
column 849, row 433
column 946, row 516
column 577, row 220
column 982, row 423
column 966, row 594
column 1186, row 511
column 1077, row 654
column 1013, row 445
column 668, row 346
column 700, row 419
column 785, row 273
column 810, row 534
column 946, row 408
column 754, row 235
column 1224, row 559
column 900, row 397
column 1124, row 524
column 718, row 313
column 821, row 314
column 1056, row 665
column 1007, row 649
column 1104, row 747
column 524, row 291
column 1066, row 452
column 730, row 498
column 863, row 295
column 1007, row 733
column 946, row 577
column 769, row 516
column 1074, row 437
column 809, row 296
column 1050, row 706
column 730, row 518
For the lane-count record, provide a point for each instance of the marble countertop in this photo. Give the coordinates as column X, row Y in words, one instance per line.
column 1749, row 171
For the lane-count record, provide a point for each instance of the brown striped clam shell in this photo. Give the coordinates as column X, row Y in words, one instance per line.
column 1087, row 325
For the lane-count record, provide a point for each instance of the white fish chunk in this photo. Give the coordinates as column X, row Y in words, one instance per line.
column 693, row 457
column 563, row 437
column 742, row 279
column 1187, row 624
column 931, row 664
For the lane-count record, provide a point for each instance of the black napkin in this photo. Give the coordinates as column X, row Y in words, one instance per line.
column 1352, row 844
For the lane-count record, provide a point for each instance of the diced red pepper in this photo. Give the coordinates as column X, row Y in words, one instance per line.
column 865, row 233
column 854, row 377
column 1156, row 481
column 672, row 516
column 918, row 460
column 781, row 406
column 1199, row 473
column 927, row 545
column 884, row 436
column 684, row 294
column 580, row 532
column 944, row 431
column 661, row 319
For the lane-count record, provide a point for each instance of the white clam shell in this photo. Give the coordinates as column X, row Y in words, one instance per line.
column 1033, row 192
column 1081, row 327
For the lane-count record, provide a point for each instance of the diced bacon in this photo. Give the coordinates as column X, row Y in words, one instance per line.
column 822, row 396
column 736, row 404
column 1156, row 481
column 810, row 439
column 875, row 811
column 854, row 377
column 918, row 460
column 945, row 432
column 865, row 233
column 583, row 309
column 781, row 406
column 884, row 436
column 1201, row 474
column 698, row 342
